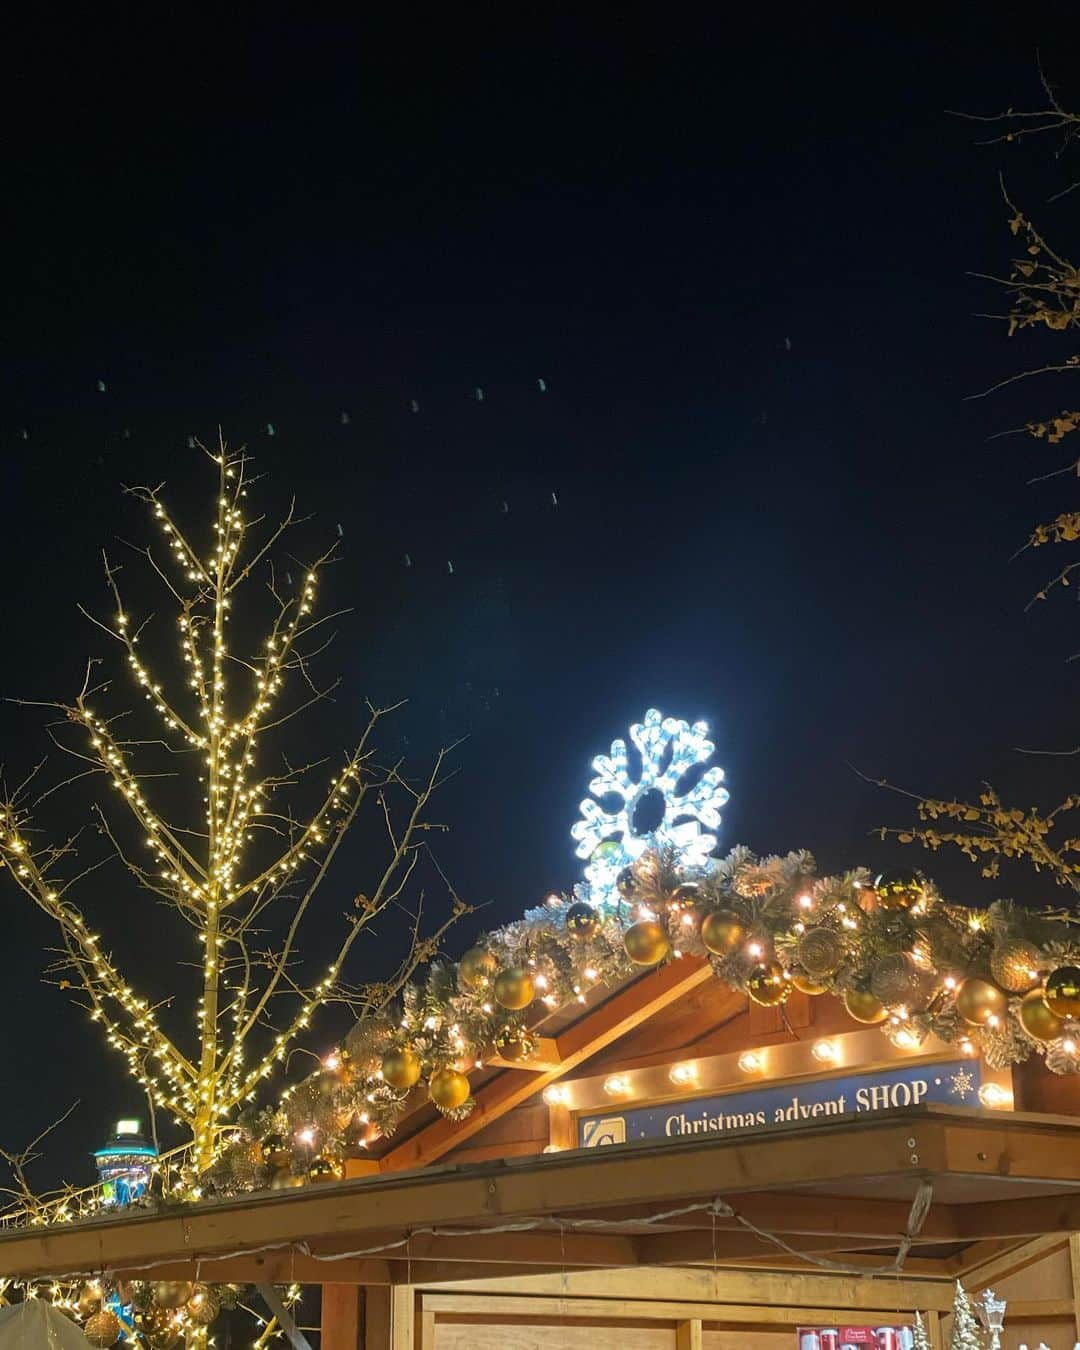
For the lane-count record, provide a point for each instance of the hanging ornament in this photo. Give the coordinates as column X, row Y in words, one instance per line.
column 448, row 1089
column 646, row 942
column 401, row 1068
column 626, row 883
column 102, row 1328
column 285, row 1180
column 514, row 988
column 1014, row 965
column 863, row 1006
column 722, row 932
column 274, row 1150
column 1062, row 991
column 323, row 1169
column 203, row 1306
column 766, row 984
column 477, row 968
column 1037, row 1019
column 327, row 1083
column 801, row 980
column 820, row 951
column 513, row 1044
column 89, row 1299
column 898, row 890
column 978, row 1000
column 581, row 921
column 172, row 1293
column 895, row 979
column 162, row 1330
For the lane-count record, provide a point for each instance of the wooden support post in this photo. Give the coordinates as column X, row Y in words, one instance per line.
column 377, row 1317
column 402, row 1318
column 688, row 1335
column 934, row 1330
column 1074, row 1271
column 339, row 1324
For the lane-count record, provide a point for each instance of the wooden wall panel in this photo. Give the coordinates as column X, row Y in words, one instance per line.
column 741, row 1340
column 465, row 1336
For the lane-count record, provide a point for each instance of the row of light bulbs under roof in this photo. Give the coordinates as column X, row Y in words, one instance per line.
column 684, row 1075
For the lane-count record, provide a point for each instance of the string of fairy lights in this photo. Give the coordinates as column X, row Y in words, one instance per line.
column 204, row 876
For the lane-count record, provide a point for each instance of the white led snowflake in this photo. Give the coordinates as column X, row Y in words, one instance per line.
column 669, row 748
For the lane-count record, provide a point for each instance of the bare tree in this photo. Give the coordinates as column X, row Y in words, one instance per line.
column 229, row 833
column 1041, row 290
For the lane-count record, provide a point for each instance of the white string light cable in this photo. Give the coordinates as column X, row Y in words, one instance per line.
column 716, row 1208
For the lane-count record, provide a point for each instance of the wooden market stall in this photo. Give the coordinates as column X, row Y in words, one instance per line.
column 674, row 1168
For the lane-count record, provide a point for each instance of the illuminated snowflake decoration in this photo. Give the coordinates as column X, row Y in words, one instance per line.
column 610, row 839
column 961, row 1084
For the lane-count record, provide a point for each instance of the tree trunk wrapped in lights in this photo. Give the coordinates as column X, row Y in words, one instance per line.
column 233, row 848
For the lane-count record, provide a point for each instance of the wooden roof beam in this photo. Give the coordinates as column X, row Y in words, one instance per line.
column 601, row 1026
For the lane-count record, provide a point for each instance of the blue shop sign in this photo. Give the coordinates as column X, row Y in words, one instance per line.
column 954, row 1083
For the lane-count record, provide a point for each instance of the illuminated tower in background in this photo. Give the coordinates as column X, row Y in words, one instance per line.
column 124, row 1164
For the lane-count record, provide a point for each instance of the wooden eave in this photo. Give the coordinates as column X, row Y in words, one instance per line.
column 845, row 1186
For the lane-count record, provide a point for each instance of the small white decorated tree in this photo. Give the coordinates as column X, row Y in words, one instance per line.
column 921, row 1339
column 965, row 1331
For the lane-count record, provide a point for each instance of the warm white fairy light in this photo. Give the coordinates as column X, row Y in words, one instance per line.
column 616, row 1085
column 825, row 1051
column 556, row 1094
column 994, row 1096
column 751, row 1061
column 683, row 1074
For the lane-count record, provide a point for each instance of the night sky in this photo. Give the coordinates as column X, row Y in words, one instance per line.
column 737, row 254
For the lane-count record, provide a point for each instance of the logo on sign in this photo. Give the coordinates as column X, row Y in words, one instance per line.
column 610, row 1130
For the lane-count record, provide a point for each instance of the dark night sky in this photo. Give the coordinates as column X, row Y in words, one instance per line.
column 808, row 547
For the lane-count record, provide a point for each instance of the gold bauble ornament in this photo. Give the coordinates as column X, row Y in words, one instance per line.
column 626, row 883
column 477, row 968
column 1062, row 991
column 172, row 1293
column 448, row 1089
column 686, row 895
column 103, row 1328
column 801, row 980
column 582, row 921
column 898, row 890
column 401, row 1068
column 285, row 1180
column 820, row 951
column 162, row 1330
column 89, row 1299
column 895, row 979
column 514, row 988
column 1014, row 965
column 766, row 984
column 646, row 942
column 1037, row 1019
column 722, row 932
column 203, row 1306
column 322, row 1169
column 274, row 1150
column 863, row 1006
column 978, row 1000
